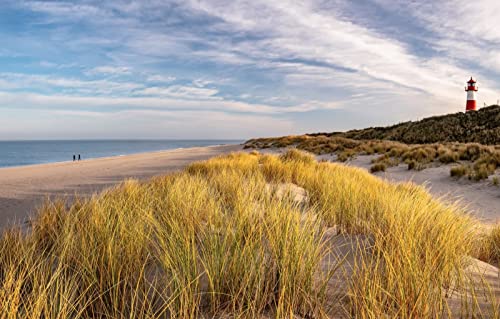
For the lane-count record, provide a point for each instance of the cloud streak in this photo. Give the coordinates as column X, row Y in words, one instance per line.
column 285, row 59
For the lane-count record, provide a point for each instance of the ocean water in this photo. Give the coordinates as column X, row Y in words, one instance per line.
column 19, row 153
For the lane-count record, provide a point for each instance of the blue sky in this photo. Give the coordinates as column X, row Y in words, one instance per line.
column 238, row 69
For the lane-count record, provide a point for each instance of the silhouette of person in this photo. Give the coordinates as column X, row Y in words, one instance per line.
column 79, row 157
column 74, row 157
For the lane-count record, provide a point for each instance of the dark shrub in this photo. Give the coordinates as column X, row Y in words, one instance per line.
column 379, row 167
column 459, row 171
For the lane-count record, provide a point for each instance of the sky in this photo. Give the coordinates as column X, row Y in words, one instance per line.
column 210, row 69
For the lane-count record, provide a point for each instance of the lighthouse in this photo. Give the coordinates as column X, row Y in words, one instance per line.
column 471, row 90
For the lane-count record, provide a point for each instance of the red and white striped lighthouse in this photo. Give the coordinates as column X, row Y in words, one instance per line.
column 471, row 90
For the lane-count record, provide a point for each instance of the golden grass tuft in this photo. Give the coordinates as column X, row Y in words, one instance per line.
column 489, row 247
column 295, row 155
column 221, row 238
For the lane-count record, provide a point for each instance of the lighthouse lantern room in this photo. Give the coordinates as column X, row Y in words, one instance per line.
column 471, row 90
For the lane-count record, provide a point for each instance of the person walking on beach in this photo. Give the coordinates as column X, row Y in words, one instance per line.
column 74, row 157
column 79, row 157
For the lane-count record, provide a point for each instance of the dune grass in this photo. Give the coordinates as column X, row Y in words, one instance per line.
column 378, row 167
column 471, row 127
column 222, row 239
column 489, row 250
column 483, row 160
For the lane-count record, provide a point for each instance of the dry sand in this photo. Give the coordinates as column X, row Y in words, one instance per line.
column 24, row 188
column 481, row 199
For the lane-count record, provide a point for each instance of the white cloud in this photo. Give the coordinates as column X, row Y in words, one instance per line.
column 68, row 102
column 297, row 54
column 65, row 10
column 201, row 82
column 302, row 30
column 48, row 82
column 161, row 78
column 75, row 113
column 140, row 124
column 180, row 91
column 465, row 30
column 47, row 64
column 109, row 70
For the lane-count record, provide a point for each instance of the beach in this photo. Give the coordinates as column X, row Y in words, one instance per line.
column 24, row 188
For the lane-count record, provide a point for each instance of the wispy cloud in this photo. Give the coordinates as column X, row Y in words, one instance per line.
column 49, row 83
column 25, row 100
column 109, row 70
column 139, row 124
column 285, row 58
column 179, row 91
column 161, row 78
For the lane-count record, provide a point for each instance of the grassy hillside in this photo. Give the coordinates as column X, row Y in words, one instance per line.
column 229, row 238
column 482, row 127
column 470, row 139
column 477, row 161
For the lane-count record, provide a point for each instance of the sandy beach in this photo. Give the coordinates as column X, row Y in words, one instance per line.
column 24, row 188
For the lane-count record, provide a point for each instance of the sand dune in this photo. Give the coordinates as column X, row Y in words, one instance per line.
column 22, row 189
column 481, row 199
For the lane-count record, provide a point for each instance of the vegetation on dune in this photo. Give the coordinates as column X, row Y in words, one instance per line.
column 459, row 171
column 222, row 238
column 495, row 180
column 489, row 247
column 484, row 159
column 378, row 167
column 482, row 126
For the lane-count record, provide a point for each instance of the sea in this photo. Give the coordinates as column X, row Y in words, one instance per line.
column 20, row 153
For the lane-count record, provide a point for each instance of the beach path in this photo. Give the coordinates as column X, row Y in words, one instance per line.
column 23, row 189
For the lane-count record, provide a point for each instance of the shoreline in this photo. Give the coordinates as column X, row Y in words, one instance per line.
column 111, row 157
column 24, row 188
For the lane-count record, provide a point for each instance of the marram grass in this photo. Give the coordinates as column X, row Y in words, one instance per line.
column 222, row 239
column 482, row 160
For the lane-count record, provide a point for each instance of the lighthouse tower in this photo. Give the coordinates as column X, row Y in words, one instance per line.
column 471, row 90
